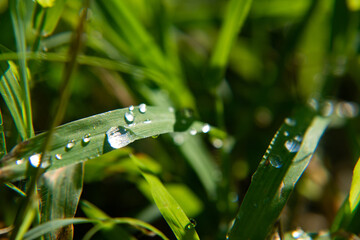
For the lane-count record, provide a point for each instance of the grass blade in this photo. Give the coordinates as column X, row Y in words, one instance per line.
column 284, row 162
column 68, row 145
column 60, row 193
column 354, row 196
column 2, row 138
column 236, row 13
column 176, row 218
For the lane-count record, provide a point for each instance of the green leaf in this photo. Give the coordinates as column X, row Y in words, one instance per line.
column 60, row 192
column 87, row 138
column 354, row 196
column 236, row 13
column 285, row 160
column 47, row 3
column 176, row 218
column 53, row 11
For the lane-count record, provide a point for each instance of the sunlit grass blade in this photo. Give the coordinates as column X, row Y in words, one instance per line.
column 12, row 94
column 88, row 138
column 354, row 196
column 59, row 193
column 176, row 218
column 236, row 13
column 285, row 160
column 52, row 16
column 16, row 9
column 2, row 138
column 110, row 230
column 44, row 228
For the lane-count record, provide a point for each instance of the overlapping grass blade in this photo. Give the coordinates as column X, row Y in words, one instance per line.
column 176, row 218
column 60, row 192
column 44, row 228
column 284, row 162
column 155, row 121
column 235, row 16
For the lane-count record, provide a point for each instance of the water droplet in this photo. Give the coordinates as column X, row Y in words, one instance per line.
column 179, row 139
column 298, row 138
column 171, row 109
column 94, row 127
column 86, row 139
column 234, row 197
column 191, row 225
column 131, row 108
column 58, row 156
column 276, row 161
column 70, row 145
column 286, row 133
column 327, row 108
column 193, row 132
column 129, row 117
column 314, row 104
column 142, row 108
column 20, row 161
column 119, row 137
column 292, row 145
column 291, row 122
column 217, row 143
column 347, row 109
column 35, row 160
column 147, row 121
column 299, row 234
column 205, row 128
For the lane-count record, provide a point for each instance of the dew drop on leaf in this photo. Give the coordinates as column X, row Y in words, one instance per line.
column 131, row 108
column 193, row 132
column 276, row 161
column 205, row 128
column 119, row 137
column 58, row 156
column 70, row 145
column 147, row 121
column 292, row 145
column 142, row 108
column 129, row 117
column 86, row 139
column 286, row 133
column 291, row 122
column 20, row 161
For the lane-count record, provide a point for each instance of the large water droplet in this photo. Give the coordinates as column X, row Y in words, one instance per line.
column 291, row 122
column 131, row 108
column 142, row 108
column 86, row 139
column 58, row 156
column 193, row 132
column 276, row 161
column 129, row 117
column 119, row 137
column 70, row 145
column 292, row 145
column 205, row 128
column 35, row 159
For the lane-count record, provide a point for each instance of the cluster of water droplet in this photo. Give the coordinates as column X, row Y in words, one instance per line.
column 299, row 234
column 191, row 225
column 342, row 109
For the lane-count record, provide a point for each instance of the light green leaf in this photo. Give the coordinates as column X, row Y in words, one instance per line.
column 354, row 196
column 176, row 218
column 46, row 3
column 88, row 138
column 284, row 162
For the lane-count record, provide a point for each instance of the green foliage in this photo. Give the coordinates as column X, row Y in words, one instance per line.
column 218, row 79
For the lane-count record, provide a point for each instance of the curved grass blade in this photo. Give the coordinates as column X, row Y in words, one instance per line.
column 236, row 13
column 87, row 138
column 285, row 160
column 176, row 218
column 44, row 228
column 354, row 196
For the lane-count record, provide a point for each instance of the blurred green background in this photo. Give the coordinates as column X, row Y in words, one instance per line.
column 287, row 53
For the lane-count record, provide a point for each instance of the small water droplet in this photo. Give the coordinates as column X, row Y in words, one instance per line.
column 205, row 128
column 171, row 109
column 178, row 139
column 327, row 108
column 193, row 132
column 119, row 137
column 129, row 117
column 314, row 104
column 86, row 139
column 291, row 122
column 234, row 197
column 298, row 138
column 94, row 127
column 35, row 160
column 191, row 225
column 58, row 156
column 131, row 108
column 292, row 145
column 227, row 237
column 347, row 109
column 147, row 121
column 142, row 108
column 20, row 161
column 286, row 133
column 70, row 145
column 276, row 161
column 217, row 143
column 298, row 233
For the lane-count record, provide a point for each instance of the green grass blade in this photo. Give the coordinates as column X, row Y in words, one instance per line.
column 110, row 230
column 284, row 162
column 236, row 13
column 2, row 138
column 52, row 16
column 60, row 192
column 169, row 208
column 354, row 196
column 155, row 121
column 17, row 8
